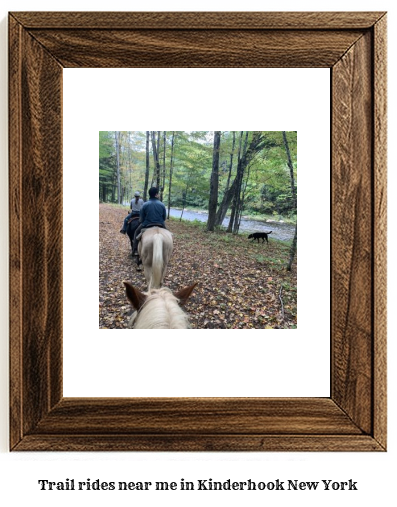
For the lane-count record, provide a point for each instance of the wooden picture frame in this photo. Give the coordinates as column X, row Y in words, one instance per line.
column 353, row 46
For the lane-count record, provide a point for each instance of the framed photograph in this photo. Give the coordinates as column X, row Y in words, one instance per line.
column 238, row 334
column 353, row 46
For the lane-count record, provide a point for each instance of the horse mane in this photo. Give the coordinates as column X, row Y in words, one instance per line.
column 161, row 310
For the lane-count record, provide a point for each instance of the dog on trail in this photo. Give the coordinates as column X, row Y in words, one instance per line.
column 258, row 235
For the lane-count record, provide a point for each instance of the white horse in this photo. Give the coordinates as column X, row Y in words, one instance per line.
column 155, row 249
column 159, row 308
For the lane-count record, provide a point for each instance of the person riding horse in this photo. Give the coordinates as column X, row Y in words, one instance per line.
column 153, row 212
column 136, row 205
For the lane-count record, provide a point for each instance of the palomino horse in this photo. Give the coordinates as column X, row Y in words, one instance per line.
column 159, row 308
column 155, row 250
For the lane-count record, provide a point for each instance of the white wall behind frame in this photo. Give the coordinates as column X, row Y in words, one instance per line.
column 195, row 362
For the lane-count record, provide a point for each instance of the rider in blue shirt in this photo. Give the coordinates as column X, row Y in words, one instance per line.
column 153, row 212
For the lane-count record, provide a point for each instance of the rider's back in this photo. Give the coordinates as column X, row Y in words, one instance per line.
column 153, row 212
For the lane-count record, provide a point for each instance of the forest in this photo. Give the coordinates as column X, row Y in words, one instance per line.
column 255, row 173
column 231, row 176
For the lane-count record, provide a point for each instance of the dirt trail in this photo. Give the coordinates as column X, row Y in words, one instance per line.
column 239, row 282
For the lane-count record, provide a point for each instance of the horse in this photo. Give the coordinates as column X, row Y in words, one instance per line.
column 131, row 227
column 159, row 308
column 155, row 250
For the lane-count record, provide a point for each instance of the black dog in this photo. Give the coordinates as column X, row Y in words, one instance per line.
column 258, row 235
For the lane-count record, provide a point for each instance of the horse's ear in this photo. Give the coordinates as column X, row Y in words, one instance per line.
column 183, row 294
column 134, row 295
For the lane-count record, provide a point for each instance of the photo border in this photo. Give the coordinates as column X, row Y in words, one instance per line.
column 353, row 46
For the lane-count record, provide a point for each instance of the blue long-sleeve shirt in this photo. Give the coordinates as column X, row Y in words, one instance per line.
column 153, row 212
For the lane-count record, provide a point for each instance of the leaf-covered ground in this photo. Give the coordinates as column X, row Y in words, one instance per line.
column 241, row 284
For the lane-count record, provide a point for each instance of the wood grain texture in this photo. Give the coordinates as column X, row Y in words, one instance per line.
column 351, row 229
column 199, row 443
column 380, row 229
column 196, row 48
column 36, row 242
column 15, row 229
column 196, row 416
column 202, row 20
column 353, row 45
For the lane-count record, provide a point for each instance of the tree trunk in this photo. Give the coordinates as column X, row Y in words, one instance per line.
column 231, row 162
column 293, row 249
column 145, row 190
column 128, row 190
column 235, row 186
column 117, row 139
column 156, row 158
column 171, row 169
column 163, row 175
column 226, row 201
column 242, row 201
column 291, row 171
column 158, row 143
column 239, row 178
column 184, row 193
column 294, row 200
column 221, row 213
column 213, row 200
column 239, row 185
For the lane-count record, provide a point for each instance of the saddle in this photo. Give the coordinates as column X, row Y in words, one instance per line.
column 134, row 217
column 155, row 225
column 149, row 226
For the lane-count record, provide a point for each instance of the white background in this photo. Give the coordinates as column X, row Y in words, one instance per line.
column 374, row 472
column 195, row 362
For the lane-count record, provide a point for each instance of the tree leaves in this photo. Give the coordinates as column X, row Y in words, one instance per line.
column 268, row 188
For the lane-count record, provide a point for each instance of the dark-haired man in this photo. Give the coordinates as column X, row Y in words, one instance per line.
column 153, row 212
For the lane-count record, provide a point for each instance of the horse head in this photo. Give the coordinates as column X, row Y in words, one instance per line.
column 158, row 308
